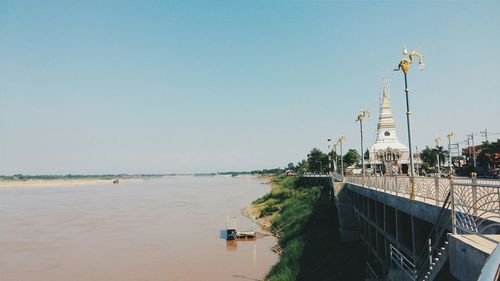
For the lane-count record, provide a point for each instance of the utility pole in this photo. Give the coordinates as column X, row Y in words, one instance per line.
column 473, row 150
column 363, row 113
column 485, row 134
column 467, row 141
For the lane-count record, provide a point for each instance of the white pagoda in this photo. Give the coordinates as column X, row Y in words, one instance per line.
column 388, row 155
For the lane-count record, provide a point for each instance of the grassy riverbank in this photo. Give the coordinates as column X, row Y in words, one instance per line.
column 305, row 221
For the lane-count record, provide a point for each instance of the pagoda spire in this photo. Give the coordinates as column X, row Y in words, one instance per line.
column 385, row 119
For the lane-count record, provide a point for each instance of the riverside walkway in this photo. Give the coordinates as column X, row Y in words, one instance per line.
column 450, row 226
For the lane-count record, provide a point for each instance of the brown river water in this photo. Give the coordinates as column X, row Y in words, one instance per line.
column 164, row 229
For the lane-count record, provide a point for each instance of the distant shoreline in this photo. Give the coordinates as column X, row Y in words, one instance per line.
column 46, row 181
column 67, row 181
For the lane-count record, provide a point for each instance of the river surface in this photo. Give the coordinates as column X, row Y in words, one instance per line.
column 164, row 229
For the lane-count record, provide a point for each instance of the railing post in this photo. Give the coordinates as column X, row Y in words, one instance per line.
column 474, row 177
column 453, row 213
column 498, row 198
column 396, row 184
column 474, row 193
column 436, row 187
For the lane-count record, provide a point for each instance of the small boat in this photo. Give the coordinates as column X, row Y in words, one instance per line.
column 116, row 181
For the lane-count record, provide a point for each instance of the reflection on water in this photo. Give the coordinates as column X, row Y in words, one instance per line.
column 231, row 245
column 164, row 229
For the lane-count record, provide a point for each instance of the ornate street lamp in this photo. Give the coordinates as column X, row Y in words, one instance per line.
column 361, row 116
column 404, row 65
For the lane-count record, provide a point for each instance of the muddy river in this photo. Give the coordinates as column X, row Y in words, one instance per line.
column 165, row 229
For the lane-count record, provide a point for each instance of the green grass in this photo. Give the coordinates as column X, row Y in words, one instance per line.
column 305, row 219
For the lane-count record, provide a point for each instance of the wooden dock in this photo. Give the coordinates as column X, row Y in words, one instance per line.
column 246, row 234
column 232, row 232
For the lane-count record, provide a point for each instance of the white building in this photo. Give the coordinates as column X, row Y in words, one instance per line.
column 388, row 155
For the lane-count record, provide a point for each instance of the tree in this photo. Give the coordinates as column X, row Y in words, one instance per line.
column 317, row 161
column 489, row 156
column 443, row 154
column 429, row 157
column 351, row 157
column 301, row 167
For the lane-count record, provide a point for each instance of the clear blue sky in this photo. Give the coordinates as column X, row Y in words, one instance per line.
column 199, row 86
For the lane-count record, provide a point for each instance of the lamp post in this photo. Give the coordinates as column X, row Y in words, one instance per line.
column 450, row 164
column 334, row 150
column 438, row 160
column 404, row 64
column 329, row 157
column 361, row 116
column 417, row 155
column 341, row 139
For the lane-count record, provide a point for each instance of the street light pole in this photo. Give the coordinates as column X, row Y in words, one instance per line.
column 450, row 164
column 335, row 168
column 341, row 139
column 438, row 163
column 408, row 113
column 363, row 113
column 329, row 158
column 404, row 65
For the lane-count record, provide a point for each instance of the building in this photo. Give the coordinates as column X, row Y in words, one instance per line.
column 388, row 155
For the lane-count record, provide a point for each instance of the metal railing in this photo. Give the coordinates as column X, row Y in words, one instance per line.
column 337, row 176
column 370, row 273
column 311, row 175
column 476, row 208
column 469, row 206
column 429, row 189
column 405, row 266
column 434, row 254
column 475, row 204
